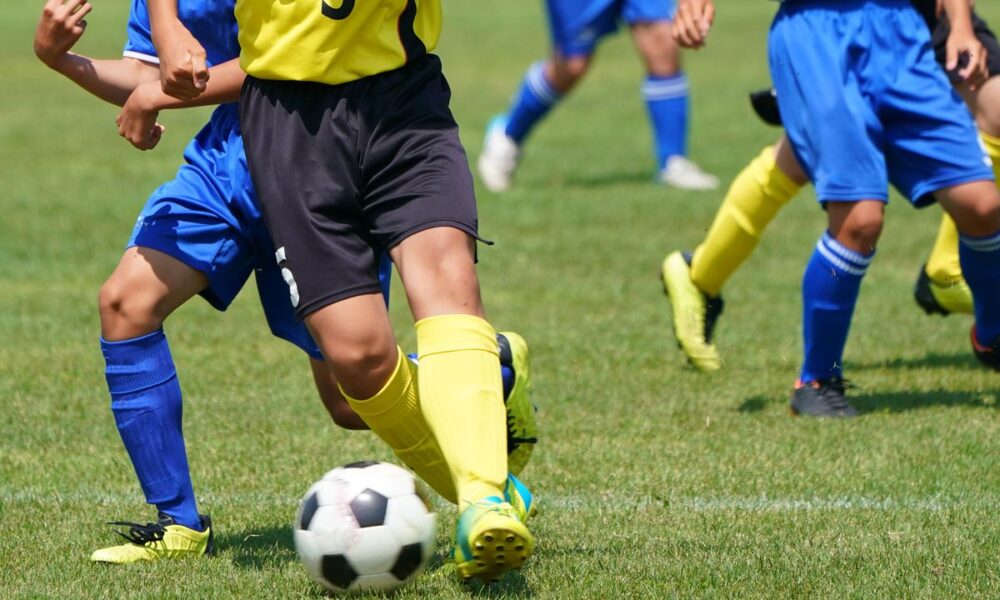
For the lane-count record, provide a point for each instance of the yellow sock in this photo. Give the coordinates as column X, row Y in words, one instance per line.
column 752, row 201
column 463, row 401
column 942, row 265
column 394, row 414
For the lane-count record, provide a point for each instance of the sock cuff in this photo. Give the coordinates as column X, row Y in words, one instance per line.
column 539, row 86
column 391, row 393
column 990, row 243
column 665, row 88
column 137, row 364
column 772, row 178
column 451, row 333
column 842, row 257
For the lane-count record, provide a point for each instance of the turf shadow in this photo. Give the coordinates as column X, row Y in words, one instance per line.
column 513, row 585
column 756, row 404
column 894, row 402
column 930, row 360
column 258, row 548
column 605, row 179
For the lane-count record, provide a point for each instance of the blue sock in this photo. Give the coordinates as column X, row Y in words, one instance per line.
column 667, row 102
column 830, row 289
column 146, row 403
column 531, row 103
column 980, row 258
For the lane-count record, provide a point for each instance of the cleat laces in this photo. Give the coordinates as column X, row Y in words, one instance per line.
column 141, row 534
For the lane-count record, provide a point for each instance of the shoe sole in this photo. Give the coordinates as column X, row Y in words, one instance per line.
column 713, row 364
column 495, row 552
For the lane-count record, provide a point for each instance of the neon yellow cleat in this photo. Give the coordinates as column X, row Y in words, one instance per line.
column 942, row 298
column 520, row 498
column 153, row 541
column 694, row 313
column 522, row 425
column 490, row 540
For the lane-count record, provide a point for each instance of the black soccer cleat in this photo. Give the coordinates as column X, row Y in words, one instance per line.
column 822, row 399
column 988, row 355
column 924, row 295
column 765, row 104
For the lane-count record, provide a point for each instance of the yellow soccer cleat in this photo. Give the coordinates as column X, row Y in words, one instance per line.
column 520, row 498
column 942, row 298
column 153, row 541
column 694, row 313
column 490, row 540
column 522, row 425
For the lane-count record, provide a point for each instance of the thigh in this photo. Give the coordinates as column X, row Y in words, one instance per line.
column 832, row 126
column 193, row 218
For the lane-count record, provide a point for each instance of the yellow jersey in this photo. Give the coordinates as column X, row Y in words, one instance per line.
column 334, row 41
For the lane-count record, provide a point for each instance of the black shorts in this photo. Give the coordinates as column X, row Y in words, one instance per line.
column 939, row 37
column 344, row 172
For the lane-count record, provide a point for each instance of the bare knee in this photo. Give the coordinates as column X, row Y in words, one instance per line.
column 857, row 225
column 975, row 207
column 655, row 43
column 126, row 313
column 563, row 72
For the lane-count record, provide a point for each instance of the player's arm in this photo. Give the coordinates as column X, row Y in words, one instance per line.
column 183, row 71
column 137, row 120
column 692, row 22
column 59, row 28
column 963, row 46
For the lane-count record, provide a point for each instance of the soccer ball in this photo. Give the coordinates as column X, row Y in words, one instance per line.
column 364, row 526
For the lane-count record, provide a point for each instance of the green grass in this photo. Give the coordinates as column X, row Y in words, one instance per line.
column 655, row 481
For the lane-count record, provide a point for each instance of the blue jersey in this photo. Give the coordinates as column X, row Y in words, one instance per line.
column 211, row 22
column 577, row 25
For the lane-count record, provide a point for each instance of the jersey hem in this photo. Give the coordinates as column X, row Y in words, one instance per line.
column 148, row 58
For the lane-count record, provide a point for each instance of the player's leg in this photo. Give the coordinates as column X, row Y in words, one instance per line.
column 665, row 91
column 462, row 392
column 543, row 86
column 694, row 283
column 975, row 207
column 146, row 287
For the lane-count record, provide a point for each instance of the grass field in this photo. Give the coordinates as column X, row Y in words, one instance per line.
column 655, row 481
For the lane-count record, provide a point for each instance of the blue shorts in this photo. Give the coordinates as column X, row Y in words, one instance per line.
column 865, row 104
column 208, row 219
column 578, row 25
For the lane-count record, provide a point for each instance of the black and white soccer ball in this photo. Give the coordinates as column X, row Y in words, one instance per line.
column 365, row 526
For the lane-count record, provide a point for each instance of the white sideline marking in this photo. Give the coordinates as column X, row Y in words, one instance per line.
column 935, row 503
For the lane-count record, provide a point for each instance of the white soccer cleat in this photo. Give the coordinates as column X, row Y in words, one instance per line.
column 684, row 174
column 498, row 160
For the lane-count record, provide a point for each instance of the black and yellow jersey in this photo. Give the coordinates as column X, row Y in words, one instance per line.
column 334, row 41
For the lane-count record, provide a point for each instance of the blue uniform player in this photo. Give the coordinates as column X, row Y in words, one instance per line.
column 200, row 233
column 865, row 105
column 577, row 26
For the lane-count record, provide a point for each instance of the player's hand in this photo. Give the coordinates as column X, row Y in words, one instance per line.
column 137, row 119
column 966, row 58
column 60, row 26
column 692, row 22
column 183, row 67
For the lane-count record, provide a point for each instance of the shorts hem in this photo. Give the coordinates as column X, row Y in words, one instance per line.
column 396, row 239
column 881, row 196
column 923, row 195
column 332, row 298
column 209, row 294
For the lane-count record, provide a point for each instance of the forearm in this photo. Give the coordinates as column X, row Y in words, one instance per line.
column 162, row 16
column 959, row 13
column 223, row 86
column 110, row 80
